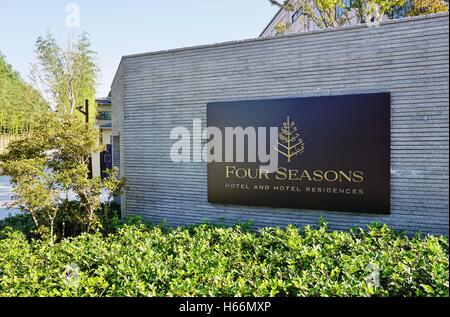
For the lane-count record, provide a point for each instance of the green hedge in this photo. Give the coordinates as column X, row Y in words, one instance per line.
column 139, row 260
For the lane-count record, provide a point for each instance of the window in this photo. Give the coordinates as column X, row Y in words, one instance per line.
column 104, row 115
column 341, row 10
column 296, row 15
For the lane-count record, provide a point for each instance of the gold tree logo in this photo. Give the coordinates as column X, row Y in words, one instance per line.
column 289, row 142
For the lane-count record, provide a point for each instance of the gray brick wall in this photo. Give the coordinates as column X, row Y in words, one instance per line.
column 154, row 92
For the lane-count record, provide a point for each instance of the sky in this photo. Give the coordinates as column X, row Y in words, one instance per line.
column 118, row 28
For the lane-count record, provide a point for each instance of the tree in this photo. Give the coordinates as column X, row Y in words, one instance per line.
column 420, row 7
column 49, row 164
column 66, row 76
column 20, row 104
column 375, row 9
column 320, row 12
column 324, row 13
column 290, row 144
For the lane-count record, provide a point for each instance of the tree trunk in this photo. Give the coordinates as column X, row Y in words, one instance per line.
column 90, row 219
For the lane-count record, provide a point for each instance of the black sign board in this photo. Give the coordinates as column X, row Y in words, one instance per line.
column 333, row 153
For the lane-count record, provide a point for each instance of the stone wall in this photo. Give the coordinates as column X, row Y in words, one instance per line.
column 154, row 92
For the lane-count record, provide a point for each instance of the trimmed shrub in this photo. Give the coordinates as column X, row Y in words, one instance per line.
column 21, row 222
column 139, row 260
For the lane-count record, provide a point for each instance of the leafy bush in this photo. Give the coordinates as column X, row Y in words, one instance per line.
column 67, row 222
column 139, row 260
column 70, row 221
column 49, row 165
column 21, row 222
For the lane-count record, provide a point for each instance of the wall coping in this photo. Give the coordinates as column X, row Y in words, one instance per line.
column 281, row 36
column 298, row 34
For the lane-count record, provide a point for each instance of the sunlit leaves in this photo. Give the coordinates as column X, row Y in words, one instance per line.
column 218, row 261
column 20, row 104
column 47, row 165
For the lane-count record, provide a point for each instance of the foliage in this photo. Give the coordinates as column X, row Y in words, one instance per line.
column 375, row 8
column 324, row 13
column 67, row 76
column 68, row 223
column 208, row 260
column 420, row 7
column 49, row 165
column 20, row 104
column 22, row 223
column 320, row 12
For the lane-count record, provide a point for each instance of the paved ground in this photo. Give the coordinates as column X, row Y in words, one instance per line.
column 5, row 197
